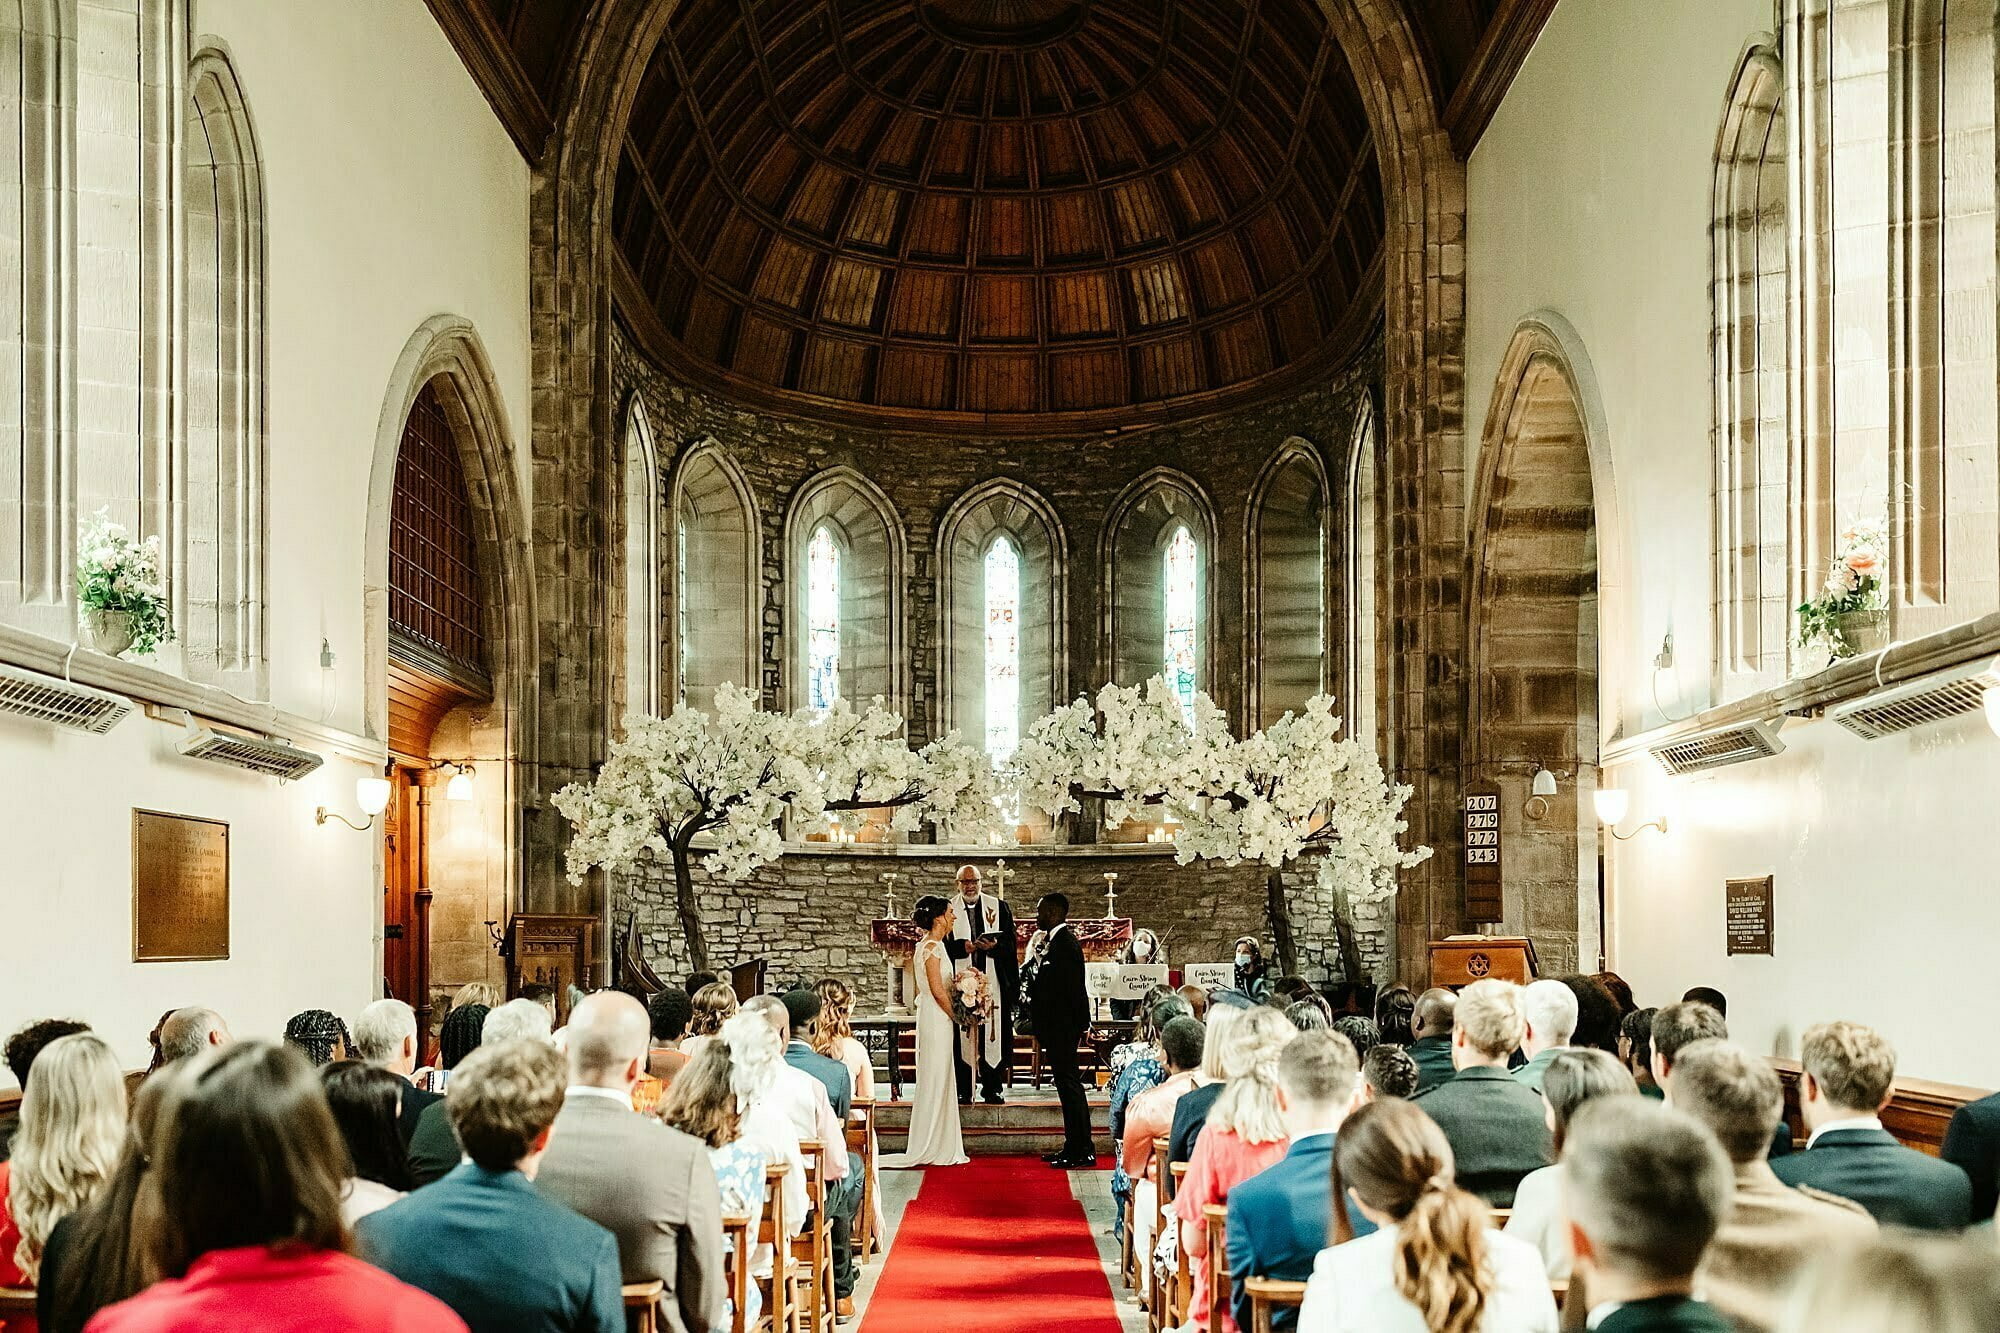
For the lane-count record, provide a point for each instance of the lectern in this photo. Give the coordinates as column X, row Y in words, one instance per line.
column 1460, row 960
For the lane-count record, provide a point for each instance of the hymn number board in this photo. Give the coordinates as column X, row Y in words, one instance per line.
column 1482, row 852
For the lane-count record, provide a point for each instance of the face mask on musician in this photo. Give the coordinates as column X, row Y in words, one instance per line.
column 1142, row 949
column 1244, row 960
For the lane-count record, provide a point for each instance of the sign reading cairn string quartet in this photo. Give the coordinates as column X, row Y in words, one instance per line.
column 1482, row 852
column 1748, row 912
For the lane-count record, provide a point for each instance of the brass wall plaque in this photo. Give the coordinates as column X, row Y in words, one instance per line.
column 180, row 888
column 1748, row 912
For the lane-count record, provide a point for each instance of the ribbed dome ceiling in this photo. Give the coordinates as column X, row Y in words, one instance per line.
column 990, row 213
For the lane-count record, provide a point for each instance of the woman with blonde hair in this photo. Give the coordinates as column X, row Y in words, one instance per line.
column 1434, row 1265
column 832, row 1035
column 1245, row 1134
column 714, row 1005
column 72, row 1131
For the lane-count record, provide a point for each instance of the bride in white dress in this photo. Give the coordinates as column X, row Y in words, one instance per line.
column 934, row 1137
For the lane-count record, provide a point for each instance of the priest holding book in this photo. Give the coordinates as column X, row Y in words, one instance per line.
column 984, row 934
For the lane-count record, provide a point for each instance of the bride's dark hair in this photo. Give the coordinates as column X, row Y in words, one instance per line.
column 929, row 908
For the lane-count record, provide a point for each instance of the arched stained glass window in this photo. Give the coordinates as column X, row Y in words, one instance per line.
column 823, row 619
column 1179, row 659
column 1003, row 650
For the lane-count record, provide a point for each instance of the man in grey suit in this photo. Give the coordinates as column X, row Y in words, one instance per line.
column 649, row 1185
column 1496, row 1126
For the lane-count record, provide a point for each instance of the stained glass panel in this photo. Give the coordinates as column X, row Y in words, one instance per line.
column 822, row 620
column 1003, row 650
column 1181, row 604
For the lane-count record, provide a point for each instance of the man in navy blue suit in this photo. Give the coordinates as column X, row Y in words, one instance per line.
column 1279, row 1218
column 483, row 1240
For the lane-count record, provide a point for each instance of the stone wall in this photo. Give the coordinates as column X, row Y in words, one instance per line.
column 808, row 914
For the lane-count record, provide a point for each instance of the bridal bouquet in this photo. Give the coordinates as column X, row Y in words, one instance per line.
column 971, row 997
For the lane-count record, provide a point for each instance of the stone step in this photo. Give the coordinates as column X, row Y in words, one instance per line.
column 1020, row 1128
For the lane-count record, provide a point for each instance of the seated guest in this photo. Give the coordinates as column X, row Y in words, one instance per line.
column 1151, row 1116
column 1388, row 1071
column 704, row 1104
column 543, row 995
column 1138, row 1077
column 667, row 1013
column 186, row 1033
column 815, row 1094
column 242, row 1212
column 458, row 1037
column 1360, row 1031
column 1197, row 998
column 1772, row 1230
column 1570, row 1080
column 1245, row 1134
column 1850, row 1072
column 652, row 1186
column 1279, row 1218
column 385, row 1035
column 93, row 1259
column 516, row 1020
column 1972, row 1143
column 1496, row 1127
column 1430, row 1046
column 698, row 981
column 21, row 1050
column 72, row 1128
column 1550, row 1009
column 468, row 1238
column 433, row 1148
column 1901, row 1283
column 1676, row 1027
column 1597, row 1014
column 1635, row 1050
column 1434, row 1262
column 1253, row 974
column 1645, row 1187
column 1191, row 1112
column 1145, row 1035
column 832, row 1035
column 1620, row 991
column 318, row 1035
column 1395, row 1007
column 1307, row 1016
column 1709, row 996
column 482, row 993
column 714, row 1004
column 365, row 1102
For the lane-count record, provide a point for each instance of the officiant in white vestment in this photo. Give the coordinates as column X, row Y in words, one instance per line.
column 984, row 932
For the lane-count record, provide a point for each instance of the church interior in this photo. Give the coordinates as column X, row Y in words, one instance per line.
column 1371, row 509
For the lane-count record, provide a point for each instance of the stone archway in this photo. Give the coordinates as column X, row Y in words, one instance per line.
column 1533, row 629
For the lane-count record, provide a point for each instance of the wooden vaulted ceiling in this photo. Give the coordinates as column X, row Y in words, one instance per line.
column 995, row 214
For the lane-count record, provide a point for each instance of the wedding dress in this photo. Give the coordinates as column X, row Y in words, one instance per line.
column 934, row 1137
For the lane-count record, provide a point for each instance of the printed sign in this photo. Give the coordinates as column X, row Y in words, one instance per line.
column 1100, row 981
column 1211, row 977
column 1135, row 979
column 1747, row 912
column 1482, row 852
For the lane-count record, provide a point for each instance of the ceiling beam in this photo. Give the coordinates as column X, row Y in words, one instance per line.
column 484, row 49
column 1503, row 48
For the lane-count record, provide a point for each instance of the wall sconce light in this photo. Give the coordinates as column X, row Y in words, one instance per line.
column 371, row 794
column 460, row 786
column 1612, row 805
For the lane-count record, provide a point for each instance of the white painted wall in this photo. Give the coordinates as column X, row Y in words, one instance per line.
column 393, row 194
column 1589, row 196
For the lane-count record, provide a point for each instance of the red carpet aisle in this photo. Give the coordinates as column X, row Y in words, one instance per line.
column 999, row 1246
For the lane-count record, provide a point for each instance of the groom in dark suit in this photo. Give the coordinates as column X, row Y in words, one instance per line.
column 1062, row 1013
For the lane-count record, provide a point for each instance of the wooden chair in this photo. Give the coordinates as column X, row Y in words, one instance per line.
column 642, row 1306
column 1215, row 1217
column 16, row 1301
column 736, row 1269
column 1181, row 1298
column 775, row 1232
column 861, row 1140
column 1500, row 1218
column 813, row 1247
column 1559, row 1288
column 1163, row 1193
column 1268, row 1294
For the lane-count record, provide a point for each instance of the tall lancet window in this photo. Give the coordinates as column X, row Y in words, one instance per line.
column 1003, row 650
column 1179, row 660
column 823, row 620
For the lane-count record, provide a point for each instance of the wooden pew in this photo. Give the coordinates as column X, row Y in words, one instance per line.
column 814, row 1246
column 775, row 1232
column 861, row 1141
column 736, row 1270
column 1267, row 1295
column 1215, row 1217
column 16, row 1301
column 642, row 1306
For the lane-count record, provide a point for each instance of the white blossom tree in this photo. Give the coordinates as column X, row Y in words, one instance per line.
column 1295, row 785
column 734, row 775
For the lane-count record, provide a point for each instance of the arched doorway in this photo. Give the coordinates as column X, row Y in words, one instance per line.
column 1533, row 629
column 448, row 627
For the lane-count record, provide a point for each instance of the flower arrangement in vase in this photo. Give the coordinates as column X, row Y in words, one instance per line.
column 121, row 600
column 1851, row 614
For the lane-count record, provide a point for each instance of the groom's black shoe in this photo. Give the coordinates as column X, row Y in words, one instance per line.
column 994, row 1099
column 1074, row 1163
column 1054, row 1158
